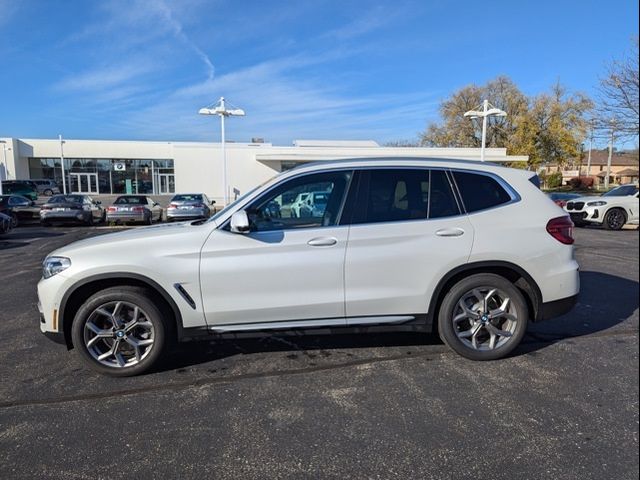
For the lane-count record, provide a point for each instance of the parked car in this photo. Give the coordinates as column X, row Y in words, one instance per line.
column 134, row 208
column 5, row 224
column 19, row 208
column 71, row 208
column 186, row 206
column 612, row 210
column 561, row 198
column 17, row 187
column 46, row 186
column 298, row 203
column 474, row 251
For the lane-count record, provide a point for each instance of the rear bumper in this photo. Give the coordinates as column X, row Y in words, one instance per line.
column 129, row 217
column 557, row 308
column 70, row 216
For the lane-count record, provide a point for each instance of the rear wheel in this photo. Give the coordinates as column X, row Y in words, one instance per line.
column 120, row 331
column 615, row 219
column 483, row 317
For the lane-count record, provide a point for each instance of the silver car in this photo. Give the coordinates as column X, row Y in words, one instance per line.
column 187, row 206
column 134, row 208
column 46, row 186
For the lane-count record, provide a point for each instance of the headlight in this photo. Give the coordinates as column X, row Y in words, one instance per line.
column 599, row 203
column 54, row 265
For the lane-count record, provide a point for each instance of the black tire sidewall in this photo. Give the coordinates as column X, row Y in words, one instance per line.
column 606, row 218
column 445, row 325
column 137, row 296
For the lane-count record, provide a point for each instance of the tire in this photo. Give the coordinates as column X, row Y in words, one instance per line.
column 150, row 332
column 149, row 220
column 89, row 221
column 48, row 192
column 472, row 333
column 615, row 219
column 14, row 220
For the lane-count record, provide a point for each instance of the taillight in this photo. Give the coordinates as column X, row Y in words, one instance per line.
column 45, row 207
column 137, row 209
column 172, row 205
column 112, row 209
column 561, row 228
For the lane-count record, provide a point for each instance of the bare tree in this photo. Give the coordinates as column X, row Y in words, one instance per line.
column 619, row 94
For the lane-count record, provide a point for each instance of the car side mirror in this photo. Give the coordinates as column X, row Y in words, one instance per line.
column 240, row 222
column 98, row 202
column 212, row 202
column 155, row 204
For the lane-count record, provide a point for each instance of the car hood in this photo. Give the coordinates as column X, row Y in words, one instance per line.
column 142, row 239
column 593, row 198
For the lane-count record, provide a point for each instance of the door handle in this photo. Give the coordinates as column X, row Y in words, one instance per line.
column 450, row 232
column 322, row 242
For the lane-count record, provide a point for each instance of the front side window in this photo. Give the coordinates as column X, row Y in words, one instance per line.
column 309, row 201
column 479, row 191
column 397, row 195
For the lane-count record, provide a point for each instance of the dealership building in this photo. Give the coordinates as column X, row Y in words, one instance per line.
column 111, row 167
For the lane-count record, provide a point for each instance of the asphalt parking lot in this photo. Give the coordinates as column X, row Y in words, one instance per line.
column 565, row 405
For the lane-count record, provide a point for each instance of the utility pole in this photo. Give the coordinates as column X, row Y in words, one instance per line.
column 606, row 180
column 590, row 146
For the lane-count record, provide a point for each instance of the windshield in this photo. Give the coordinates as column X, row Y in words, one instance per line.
column 622, row 191
column 65, row 199
column 130, row 200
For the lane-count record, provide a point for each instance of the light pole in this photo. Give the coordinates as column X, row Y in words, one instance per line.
column 64, row 175
column 221, row 110
column 3, row 165
column 484, row 114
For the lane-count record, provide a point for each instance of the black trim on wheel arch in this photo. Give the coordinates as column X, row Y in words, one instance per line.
column 57, row 337
column 558, row 307
column 114, row 275
column 534, row 293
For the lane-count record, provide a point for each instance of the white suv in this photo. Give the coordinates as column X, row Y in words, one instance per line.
column 613, row 210
column 471, row 250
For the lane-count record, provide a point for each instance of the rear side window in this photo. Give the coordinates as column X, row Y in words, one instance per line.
column 480, row 192
column 397, row 195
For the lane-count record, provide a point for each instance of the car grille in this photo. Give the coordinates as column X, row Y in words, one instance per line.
column 575, row 205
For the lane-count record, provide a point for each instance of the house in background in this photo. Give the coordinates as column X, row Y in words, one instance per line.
column 624, row 167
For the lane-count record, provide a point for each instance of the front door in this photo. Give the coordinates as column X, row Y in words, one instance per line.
column 84, row 183
column 407, row 232
column 289, row 267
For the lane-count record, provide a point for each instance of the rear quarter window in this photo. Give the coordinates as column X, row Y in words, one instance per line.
column 479, row 191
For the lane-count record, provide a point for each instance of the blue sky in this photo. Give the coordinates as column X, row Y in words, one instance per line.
column 141, row 69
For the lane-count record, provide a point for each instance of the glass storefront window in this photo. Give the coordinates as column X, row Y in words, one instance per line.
column 108, row 175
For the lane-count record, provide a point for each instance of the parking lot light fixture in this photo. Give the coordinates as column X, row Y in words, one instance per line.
column 220, row 109
column 483, row 111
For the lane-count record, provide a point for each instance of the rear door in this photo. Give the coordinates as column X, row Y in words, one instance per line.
column 407, row 231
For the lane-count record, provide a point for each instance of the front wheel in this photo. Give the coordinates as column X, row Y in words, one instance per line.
column 483, row 317
column 120, row 331
column 615, row 219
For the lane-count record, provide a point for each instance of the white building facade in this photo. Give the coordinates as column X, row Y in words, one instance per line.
column 106, row 167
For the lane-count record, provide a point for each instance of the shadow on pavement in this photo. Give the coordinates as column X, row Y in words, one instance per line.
column 6, row 245
column 605, row 301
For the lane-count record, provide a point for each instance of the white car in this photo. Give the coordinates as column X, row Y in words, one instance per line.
column 612, row 210
column 472, row 250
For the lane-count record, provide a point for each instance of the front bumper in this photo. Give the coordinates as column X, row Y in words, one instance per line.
column 588, row 214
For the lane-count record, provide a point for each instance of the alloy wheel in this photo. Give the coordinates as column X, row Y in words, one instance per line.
column 118, row 334
column 484, row 318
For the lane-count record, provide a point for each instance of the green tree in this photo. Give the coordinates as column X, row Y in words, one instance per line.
column 549, row 127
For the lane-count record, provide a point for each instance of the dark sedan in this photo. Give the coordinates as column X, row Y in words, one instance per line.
column 19, row 208
column 134, row 208
column 71, row 208
column 561, row 198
